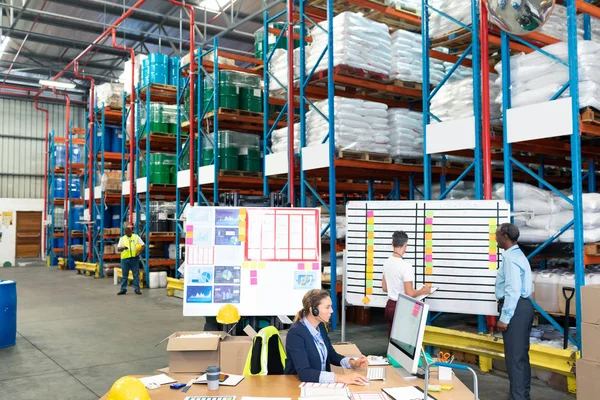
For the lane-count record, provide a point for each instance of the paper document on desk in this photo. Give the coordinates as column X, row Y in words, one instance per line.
column 407, row 393
column 324, row 390
column 160, row 379
column 232, row 380
column 377, row 361
column 421, row 297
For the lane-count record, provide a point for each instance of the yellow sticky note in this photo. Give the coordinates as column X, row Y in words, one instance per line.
column 242, row 225
column 428, row 271
column 245, row 264
column 242, row 213
column 493, row 265
column 366, row 300
column 261, row 265
column 370, row 262
column 189, row 234
column 370, row 221
column 492, row 237
column 253, row 265
column 370, row 253
column 429, row 236
column 370, row 235
column 369, row 269
column 242, row 238
column 369, row 276
column 368, row 291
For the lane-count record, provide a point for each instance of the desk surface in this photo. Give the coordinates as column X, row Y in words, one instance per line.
column 287, row 386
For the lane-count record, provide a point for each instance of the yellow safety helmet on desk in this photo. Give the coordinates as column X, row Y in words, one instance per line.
column 128, row 388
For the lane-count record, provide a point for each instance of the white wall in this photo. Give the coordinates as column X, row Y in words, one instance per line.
column 9, row 233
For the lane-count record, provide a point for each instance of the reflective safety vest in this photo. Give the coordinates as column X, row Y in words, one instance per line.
column 267, row 355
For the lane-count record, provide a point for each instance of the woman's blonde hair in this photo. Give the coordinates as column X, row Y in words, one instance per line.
column 311, row 299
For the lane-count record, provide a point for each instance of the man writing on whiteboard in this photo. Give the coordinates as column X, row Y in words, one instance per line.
column 398, row 277
column 514, row 285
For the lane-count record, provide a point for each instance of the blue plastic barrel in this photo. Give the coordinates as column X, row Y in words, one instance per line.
column 144, row 73
column 107, row 218
column 76, row 154
column 76, row 216
column 60, row 155
column 104, row 139
column 158, row 68
column 58, row 243
column 8, row 313
column 117, row 141
column 59, row 188
column 115, row 217
column 75, row 192
column 174, row 70
column 76, row 241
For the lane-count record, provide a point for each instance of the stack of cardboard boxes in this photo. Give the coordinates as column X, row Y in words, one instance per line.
column 113, row 181
column 588, row 366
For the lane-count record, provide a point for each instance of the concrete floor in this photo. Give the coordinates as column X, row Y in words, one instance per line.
column 76, row 337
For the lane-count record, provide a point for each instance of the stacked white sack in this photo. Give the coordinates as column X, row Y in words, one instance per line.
column 464, row 190
column 409, row 5
column 439, row 25
column 278, row 67
column 407, row 56
column 406, row 133
column 454, row 101
column 340, row 226
column 359, row 125
column 358, row 42
column 535, row 78
column 279, row 139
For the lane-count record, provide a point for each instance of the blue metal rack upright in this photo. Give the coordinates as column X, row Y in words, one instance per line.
column 50, row 204
column 573, row 6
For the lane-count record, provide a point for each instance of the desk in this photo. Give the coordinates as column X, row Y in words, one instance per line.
column 287, row 386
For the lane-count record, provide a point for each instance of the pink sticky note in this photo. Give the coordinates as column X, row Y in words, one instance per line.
column 189, row 228
column 428, row 258
column 370, row 214
column 429, row 221
column 301, row 266
column 316, row 266
column 493, row 258
column 253, row 281
column 189, row 241
column 253, row 274
column 416, row 310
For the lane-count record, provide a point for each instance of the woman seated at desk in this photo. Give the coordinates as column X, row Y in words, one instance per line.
column 309, row 350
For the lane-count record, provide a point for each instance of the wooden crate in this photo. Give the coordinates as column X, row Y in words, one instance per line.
column 590, row 116
column 592, row 249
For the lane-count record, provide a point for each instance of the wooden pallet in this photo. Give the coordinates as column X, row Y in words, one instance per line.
column 234, row 111
column 352, row 72
column 409, row 160
column 592, row 249
column 365, row 156
column 590, row 116
column 408, row 85
column 458, row 40
column 246, row 174
column 408, row 10
column 155, row 235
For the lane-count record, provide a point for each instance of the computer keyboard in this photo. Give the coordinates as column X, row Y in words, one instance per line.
column 376, row 374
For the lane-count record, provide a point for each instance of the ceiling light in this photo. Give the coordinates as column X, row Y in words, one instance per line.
column 3, row 43
column 57, row 84
column 213, row 5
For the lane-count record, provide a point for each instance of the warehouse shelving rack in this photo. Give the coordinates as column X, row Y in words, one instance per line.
column 580, row 131
column 147, row 142
column 51, row 252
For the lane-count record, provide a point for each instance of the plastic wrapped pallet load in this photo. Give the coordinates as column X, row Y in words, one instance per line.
column 406, row 133
column 279, row 69
column 535, row 78
column 454, row 101
column 358, row 42
column 279, row 139
column 109, row 95
column 407, row 55
column 439, row 25
column 359, row 125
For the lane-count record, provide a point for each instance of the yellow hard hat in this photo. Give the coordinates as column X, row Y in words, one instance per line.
column 228, row 314
column 138, row 248
column 128, row 388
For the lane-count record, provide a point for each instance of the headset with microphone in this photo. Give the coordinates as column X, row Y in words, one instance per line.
column 315, row 310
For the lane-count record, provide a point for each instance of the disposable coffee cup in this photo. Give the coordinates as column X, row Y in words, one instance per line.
column 212, row 376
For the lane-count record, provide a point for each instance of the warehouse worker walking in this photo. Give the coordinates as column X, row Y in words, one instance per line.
column 130, row 245
column 398, row 277
column 514, row 285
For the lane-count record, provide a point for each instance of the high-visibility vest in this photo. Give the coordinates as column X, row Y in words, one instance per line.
column 267, row 355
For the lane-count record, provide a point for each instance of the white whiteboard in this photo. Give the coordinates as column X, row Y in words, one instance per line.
column 451, row 245
column 261, row 260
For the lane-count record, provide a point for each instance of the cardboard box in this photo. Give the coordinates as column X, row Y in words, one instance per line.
column 588, row 384
column 347, row 349
column 233, row 354
column 109, row 249
column 590, row 298
column 590, row 341
column 193, row 354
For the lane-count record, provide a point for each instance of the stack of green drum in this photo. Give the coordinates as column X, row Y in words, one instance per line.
column 169, row 116
column 162, row 167
column 237, row 90
column 157, row 123
column 259, row 37
column 237, row 151
column 250, row 93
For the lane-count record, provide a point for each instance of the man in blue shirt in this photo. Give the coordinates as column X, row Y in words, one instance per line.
column 513, row 288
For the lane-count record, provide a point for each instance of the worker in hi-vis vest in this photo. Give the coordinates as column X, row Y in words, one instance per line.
column 130, row 246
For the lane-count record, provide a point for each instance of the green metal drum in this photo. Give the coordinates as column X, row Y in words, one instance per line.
column 250, row 99
column 249, row 160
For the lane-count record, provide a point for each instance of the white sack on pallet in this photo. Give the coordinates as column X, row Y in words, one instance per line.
column 407, row 56
column 279, row 139
column 340, row 226
column 278, row 67
column 589, row 236
column 406, row 133
column 359, row 125
column 439, row 25
column 353, row 37
column 454, row 101
column 555, row 222
column 531, row 235
column 590, row 202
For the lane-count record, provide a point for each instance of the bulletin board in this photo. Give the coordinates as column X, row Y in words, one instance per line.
column 451, row 245
column 261, row 260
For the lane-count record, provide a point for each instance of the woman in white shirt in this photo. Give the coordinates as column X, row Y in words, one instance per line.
column 398, row 277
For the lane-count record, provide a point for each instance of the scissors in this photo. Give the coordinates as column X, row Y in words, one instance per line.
column 445, row 357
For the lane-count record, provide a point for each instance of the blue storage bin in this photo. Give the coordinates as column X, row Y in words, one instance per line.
column 76, row 216
column 59, row 188
column 8, row 313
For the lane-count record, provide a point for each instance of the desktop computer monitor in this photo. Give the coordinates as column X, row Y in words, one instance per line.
column 407, row 334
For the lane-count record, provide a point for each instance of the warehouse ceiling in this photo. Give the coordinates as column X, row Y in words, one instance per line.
column 46, row 35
